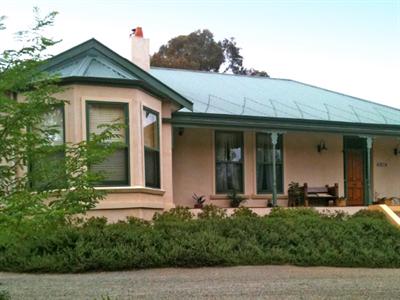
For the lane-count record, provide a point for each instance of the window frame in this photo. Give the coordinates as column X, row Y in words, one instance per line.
column 125, row 106
column 216, row 162
column 30, row 163
column 157, row 114
column 280, row 190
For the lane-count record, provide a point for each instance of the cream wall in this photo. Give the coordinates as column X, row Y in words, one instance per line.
column 136, row 195
column 303, row 163
column 386, row 167
column 194, row 165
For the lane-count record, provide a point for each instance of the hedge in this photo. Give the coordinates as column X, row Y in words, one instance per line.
column 174, row 239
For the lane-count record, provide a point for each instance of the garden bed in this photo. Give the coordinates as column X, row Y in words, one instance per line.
column 285, row 236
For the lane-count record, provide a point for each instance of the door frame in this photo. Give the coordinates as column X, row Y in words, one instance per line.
column 363, row 146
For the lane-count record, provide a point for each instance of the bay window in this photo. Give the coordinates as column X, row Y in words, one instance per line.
column 115, row 168
column 47, row 164
column 151, row 148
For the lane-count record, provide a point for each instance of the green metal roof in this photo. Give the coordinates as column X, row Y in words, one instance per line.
column 223, row 94
column 93, row 63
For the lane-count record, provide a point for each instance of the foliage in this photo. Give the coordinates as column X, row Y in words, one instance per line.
column 211, row 211
column 137, row 221
column 199, row 51
column 244, row 212
column 196, row 51
column 235, row 199
column 366, row 213
column 4, row 295
column 282, row 212
column 178, row 213
column 40, row 177
column 199, row 199
column 298, row 237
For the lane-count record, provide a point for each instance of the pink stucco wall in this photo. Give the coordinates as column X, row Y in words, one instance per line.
column 135, row 196
column 194, row 167
column 386, row 167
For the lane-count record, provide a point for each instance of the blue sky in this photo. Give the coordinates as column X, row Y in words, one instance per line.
column 351, row 47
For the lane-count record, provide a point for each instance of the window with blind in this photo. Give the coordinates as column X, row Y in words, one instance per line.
column 47, row 168
column 115, row 168
column 264, row 164
column 151, row 148
column 229, row 161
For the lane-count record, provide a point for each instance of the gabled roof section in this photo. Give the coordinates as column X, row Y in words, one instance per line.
column 237, row 95
column 92, row 62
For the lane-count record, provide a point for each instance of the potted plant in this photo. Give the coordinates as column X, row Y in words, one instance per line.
column 341, row 202
column 235, row 198
column 199, row 200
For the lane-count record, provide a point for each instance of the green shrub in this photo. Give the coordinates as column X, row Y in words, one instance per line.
column 287, row 236
column 98, row 222
column 282, row 212
column 137, row 221
column 4, row 295
column 178, row 213
column 244, row 212
column 211, row 211
column 369, row 214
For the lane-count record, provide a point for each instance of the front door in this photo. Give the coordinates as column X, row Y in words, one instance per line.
column 355, row 176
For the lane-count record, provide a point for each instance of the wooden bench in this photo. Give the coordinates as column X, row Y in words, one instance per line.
column 320, row 195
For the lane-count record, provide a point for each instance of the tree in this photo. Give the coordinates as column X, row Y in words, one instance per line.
column 26, row 143
column 199, row 51
column 196, row 51
column 232, row 55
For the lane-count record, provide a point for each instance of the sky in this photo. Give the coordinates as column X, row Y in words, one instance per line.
column 352, row 47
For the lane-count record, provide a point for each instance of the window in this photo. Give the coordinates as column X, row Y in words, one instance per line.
column 229, row 161
column 115, row 168
column 264, row 164
column 47, row 167
column 151, row 148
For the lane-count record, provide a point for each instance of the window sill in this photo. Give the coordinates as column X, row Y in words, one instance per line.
column 225, row 196
column 132, row 189
column 267, row 196
column 248, row 197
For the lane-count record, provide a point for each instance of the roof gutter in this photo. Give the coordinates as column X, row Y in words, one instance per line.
column 222, row 121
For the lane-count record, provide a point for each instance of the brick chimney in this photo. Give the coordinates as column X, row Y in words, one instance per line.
column 140, row 50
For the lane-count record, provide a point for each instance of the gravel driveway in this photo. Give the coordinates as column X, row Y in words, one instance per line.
column 249, row 282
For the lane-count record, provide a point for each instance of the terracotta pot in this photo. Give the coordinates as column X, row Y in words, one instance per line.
column 341, row 202
column 198, row 205
column 388, row 202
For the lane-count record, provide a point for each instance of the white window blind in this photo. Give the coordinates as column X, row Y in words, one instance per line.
column 105, row 114
column 114, row 168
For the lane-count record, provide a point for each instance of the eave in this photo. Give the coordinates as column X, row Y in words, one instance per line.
column 113, row 82
column 222, row 121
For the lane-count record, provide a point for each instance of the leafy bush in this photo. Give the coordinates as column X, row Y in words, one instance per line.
column 4, row 295
column 244, row 212
column 369, row 214
column 211, row 211
column 178, row 213
column 282, row 212
column 287, row 236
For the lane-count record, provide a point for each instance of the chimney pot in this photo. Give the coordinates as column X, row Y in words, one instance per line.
column 139, row 32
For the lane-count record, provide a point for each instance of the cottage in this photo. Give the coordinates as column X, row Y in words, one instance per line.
column 208, row 133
